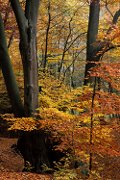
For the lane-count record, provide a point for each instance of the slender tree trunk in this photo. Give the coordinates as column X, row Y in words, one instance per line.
column 8, row 74
column 92, row 126
column 44, row 61
column 65, row 49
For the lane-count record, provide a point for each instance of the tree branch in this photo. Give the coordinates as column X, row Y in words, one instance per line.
column 116, row 16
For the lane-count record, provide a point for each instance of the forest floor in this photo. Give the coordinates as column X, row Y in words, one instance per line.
column 11, row 163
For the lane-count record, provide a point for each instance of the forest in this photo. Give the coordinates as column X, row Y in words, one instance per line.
column 60, row 89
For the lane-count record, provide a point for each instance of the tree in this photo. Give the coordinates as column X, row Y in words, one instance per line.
column 95, row 46
column 95, row 51
column 44, row 62
column 60, row 34
column 92, row 46
column 27, row 29
column 8, row 74
column 31, row 144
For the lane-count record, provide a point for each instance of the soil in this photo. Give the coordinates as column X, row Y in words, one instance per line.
column 11, row 163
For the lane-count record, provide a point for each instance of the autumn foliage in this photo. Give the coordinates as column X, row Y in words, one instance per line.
column 82, row 121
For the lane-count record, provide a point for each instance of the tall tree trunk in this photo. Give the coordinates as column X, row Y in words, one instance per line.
column 30, row 59
column 96, row 49
column 27, row 27
column 92, row 46
column 31, row 144
column 8, row 74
